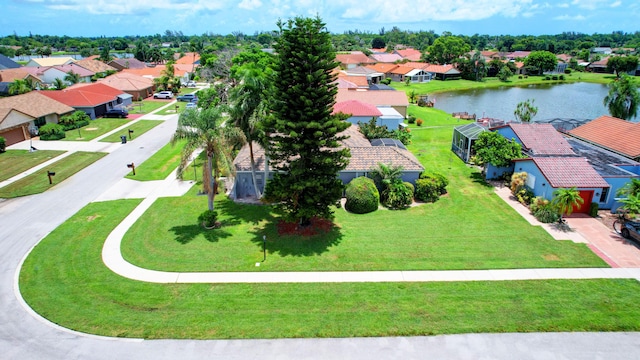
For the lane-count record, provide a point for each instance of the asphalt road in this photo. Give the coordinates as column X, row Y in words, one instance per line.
column 23, row 335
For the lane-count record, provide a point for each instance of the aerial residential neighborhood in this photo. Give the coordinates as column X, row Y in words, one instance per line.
column 298, row 192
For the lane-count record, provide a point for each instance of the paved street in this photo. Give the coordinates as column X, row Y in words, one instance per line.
column 24, row 221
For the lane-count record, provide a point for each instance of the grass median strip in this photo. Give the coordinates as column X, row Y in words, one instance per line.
column 14, row 162
column 64, row 280
column 38, row 182
column 160, row 165
column 139, row 127
column 95, row 129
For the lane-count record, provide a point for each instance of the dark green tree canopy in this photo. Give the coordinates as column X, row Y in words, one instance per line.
column 447, row 49
column 302, row 134
column 541, row 60
column 623, row 98
column 493, row 148
column 622, row 64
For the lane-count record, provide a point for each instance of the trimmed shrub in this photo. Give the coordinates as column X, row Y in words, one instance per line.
column 546, row 213
column 3, row 144
column 419, row 122
column 524, row 196
column 76, row 120
column 561, row 77
column 397, row 196
column 51, row 132
column 427, row 190
column 411, row 119
column 439, row 179
column 362, row 196
column 567, row 71
column 208, row 218
column 518, row 180
column 410, row 187
column 593, row 209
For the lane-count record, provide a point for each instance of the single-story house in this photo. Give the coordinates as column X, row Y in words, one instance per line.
column 8, row 76
column 364, row 158
column 536, row 140
column 94, row 65
column 363, row 112
column 50, row 61
column 395, row 99
column 352, row 82
column 127, row 63
column 443, row 72
column 372, row 76
column 402, row 73
column 617, row 135
column 464, row 137
column 19, row 113
column 599, row 66
column 135, row 85
column 49, row 74
column 548, row 174
column 386, row 58
column 409, row 54
column 94, row 99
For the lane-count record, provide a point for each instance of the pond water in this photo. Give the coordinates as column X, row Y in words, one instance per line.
column 574, row 101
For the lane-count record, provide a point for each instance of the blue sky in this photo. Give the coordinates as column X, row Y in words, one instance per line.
column 196, row 17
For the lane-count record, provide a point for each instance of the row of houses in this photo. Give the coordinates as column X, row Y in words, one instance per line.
column 598, row 158
column 387, row 107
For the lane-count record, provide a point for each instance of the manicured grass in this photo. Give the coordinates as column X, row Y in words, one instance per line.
column 436, row 86
column 470, row 228
column 171, row 110
column 147, row 106
column 14, row 162
column 160, row 165
column 38, row 182
column 64, row 280
column 95, row 129
column 139, row 127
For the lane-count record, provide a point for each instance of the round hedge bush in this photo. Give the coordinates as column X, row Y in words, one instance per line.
column 362, row 196
column 51, row 132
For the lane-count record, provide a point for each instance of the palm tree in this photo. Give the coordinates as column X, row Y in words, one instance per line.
column 566, row 199
column 204, row 128
column 385, row 175
column 630, row 188
column 623, row 98
column 58, row 84
column 19, row 86
column 248, row 108
column 72, row 78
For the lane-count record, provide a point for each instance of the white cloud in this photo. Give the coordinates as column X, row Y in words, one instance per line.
column 589, row 4
column 616, row 4
column 563, row 5
column 570, row 18
column 250, row 4
column 132, row 7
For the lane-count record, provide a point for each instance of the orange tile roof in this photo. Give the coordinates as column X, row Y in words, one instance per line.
column 386, row 58
column 84, row 95
column 410, row 54
column 11, row 75
column 156, row 71
column 416, row 64
column 617, row 135
column 382, row 67
column 402, row 70
column 359, row 80
column 127, row 81
column 188, row 58
column 440, row 69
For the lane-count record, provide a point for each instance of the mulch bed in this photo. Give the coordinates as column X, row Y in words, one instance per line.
column 318, row 226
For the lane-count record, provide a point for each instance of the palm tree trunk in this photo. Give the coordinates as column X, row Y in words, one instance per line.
column 266, row 170
column 258, row 192
column 212, row 182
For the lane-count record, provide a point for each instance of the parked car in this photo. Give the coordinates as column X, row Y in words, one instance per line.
column 116, row 113
column 187, row 97
column 191, row 105
column 189, row 83
column 163, row 95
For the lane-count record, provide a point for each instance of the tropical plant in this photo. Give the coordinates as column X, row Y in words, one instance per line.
column 518, row 181
column 623, row 98
column 525, row 110
column 362, row 196
column 630, row 188
column 208, row 218
column 3, row 144
column 247, row 109
column 504, row 74
column 384, row 175
column 19, row 86
column 397, row 195
column 565, row 199
column 58, row 84
column 631, row 205
column 302, row 134
column 204, row 129
column 493, row 148
column 51, row 131
column 72, row 77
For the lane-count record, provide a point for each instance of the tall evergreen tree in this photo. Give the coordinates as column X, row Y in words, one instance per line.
column 302, row 134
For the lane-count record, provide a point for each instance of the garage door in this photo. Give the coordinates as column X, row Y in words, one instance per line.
column 587, row 196
column 13, row 136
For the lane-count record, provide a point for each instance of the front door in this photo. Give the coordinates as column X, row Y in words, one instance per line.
column 587, row 196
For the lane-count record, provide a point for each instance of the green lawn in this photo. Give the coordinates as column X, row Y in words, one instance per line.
column 38, row 182
column 436, row 86
column 64, row 280
column 95, row 129
column 171, row 110
column 139, row 127
column 160, row 165
column 14, row 162
column 147, row 106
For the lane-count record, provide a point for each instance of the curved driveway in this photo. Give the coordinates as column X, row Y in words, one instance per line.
column 24, row 221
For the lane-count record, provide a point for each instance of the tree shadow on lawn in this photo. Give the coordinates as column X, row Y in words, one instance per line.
column 477, row 178
column 186, row 233
column 296, row 245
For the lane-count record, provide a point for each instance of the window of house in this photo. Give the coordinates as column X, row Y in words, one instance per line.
column 604, row 194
